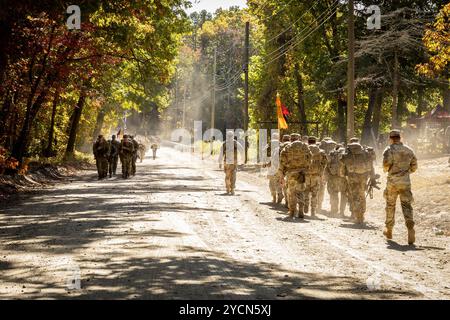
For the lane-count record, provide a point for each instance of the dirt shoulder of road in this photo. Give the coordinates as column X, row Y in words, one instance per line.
column 40, row 176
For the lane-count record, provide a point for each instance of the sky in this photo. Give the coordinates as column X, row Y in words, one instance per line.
column 212, row 5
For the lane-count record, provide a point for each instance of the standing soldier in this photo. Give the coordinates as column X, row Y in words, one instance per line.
column 135, row 155
column 314, row 175
column 399, row 161
column 142, row 150
column 114, row 147
column 358, row 167
column 336, row 182
column 126, row 156
column 101, row 151
column 229, row 156
column 154, row 147
column 295, row 159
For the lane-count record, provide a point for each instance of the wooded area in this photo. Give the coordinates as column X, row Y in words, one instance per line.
column 149, row 62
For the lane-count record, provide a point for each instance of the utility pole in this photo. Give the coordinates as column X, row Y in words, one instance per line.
column 213, row 106
column 184, row 108
column 246, row 63
column 351, row 72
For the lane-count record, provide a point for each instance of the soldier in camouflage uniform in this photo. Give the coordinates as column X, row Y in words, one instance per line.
column 327, row 145
column 275, row 187
column 295, row 159
column 142, row 150
column 399, row 161
column 135, row 155
column 101, row 151
column 286, row 140
column 336, row 182
column 358, row 167
column 126, row 156
column 229, row 152
column 114, row 147
column 314, row 175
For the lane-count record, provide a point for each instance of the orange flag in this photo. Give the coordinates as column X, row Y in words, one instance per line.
column 282, row 124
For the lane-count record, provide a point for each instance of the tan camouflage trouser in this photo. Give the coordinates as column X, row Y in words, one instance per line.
column 321, row 193
column 312, row 185
column 102, row 166
column 335, row 186
column 357, row 195
column 230, row 176
column 275, row 187
column 295, row 190
column 126, row 161
column 391, row 193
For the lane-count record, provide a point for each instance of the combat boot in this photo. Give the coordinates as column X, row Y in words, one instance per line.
column 387, row 233
column 274, row 198
column 411, row 236
column 280, row 198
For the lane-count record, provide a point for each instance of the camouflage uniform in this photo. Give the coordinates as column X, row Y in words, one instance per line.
column 327, row 145
column 126, row 156
column 358, row 167
column 154, row 147
column 114, row 147
column 399, row 161
column 135, row 155
column 229, row 155
column 314, row 176
column 101, row 151
column 142, row 150
column 273, row 175
column 336, row 182
column 282, row 182
column 295, row 159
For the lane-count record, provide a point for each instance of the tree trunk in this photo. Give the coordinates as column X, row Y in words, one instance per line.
column 394, row 121
column 377, row 113
column 366, row 137
column 446, row 95
column 420, row 101
column 300, row 100
column 49, row 152
column 99, row 123
column 74, row 125
column 342, row 128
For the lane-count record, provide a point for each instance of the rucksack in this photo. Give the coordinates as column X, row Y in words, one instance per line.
column 357, row 160
column 335, row 166
column 318, row 160
column 297, row 155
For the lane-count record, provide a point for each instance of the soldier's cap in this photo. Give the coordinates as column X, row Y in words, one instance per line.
column 295, row 136
column 305, row 138
column 326, row 139
column 394, row 133
column 312, row 140
column 354, row 140
column 286, row 138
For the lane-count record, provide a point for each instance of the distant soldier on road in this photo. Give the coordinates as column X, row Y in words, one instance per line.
column 126, row 156
column 327, row 145
column 113, row 159
column 295, row 159
column 336, row 182
column 142, row 151
column 286, row 140
column 154, row 147
column 101, row 151
column 229, row 154
column 314, row 175
column 399, row 161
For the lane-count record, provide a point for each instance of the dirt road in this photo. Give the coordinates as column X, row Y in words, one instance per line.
column 171, row 232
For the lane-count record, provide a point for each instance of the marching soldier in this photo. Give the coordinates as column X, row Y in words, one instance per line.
column 135, row 155
column 399, row 161
column 113, row 158
column 295, row 159
column 275, row 187
column 314, row 175
column 101, row 150
column 154, row 147
column 358, row 167
column 126, row 156
column 229, row 156
column 327, row 145
column 336, row 182
column 286, row 140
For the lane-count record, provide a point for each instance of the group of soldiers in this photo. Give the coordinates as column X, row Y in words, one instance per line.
column 108, row 153
column 301, row 168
